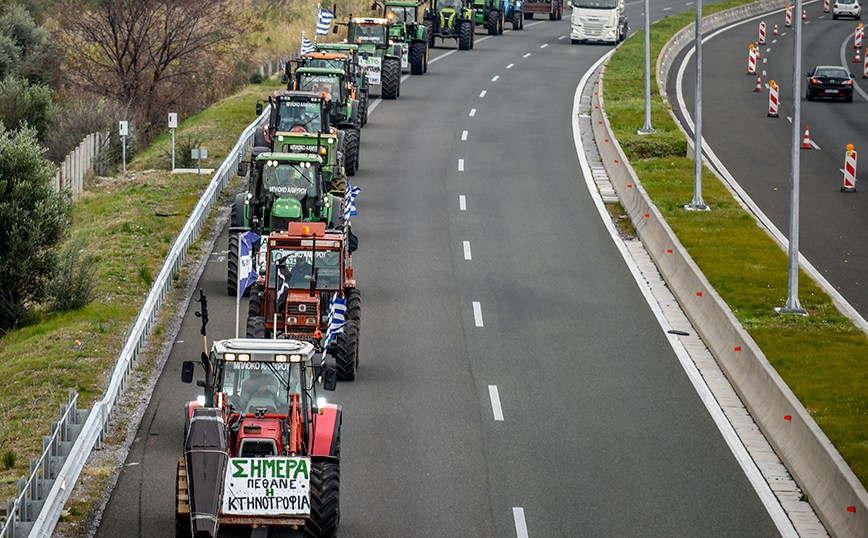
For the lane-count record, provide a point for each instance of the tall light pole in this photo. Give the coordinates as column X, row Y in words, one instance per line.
column 793, row 306
column 647, row 129
column 697, row 204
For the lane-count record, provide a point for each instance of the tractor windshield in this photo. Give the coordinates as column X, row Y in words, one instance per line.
column 369, row 34
column 289, row 179
column 295, row 268
column 328, row 84
column 298, row 116
column 252, row 385
column 595, row 4
column 401, row 14
column 327, row 63
column 454, row 5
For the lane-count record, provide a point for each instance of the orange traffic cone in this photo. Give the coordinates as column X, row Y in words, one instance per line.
column 806, row 143
column 858, row 59
column 804, row 15
column 759, row 83
column 776, row 29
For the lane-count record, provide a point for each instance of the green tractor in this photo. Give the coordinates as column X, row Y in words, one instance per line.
column 494, row 14
column 343, row 56
column 451, row 19
column 406, row 28
column 379, row 59
column 342, row 106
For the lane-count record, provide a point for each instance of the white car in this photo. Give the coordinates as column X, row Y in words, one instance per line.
column 847, row 8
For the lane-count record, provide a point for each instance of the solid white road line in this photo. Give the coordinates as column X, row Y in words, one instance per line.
column 520, row 523
column 467, row 250
column 495, row 402
column 462, row 202
column 477, row 313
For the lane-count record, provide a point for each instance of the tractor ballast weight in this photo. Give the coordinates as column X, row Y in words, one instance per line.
column 407, row 27
column 260, row 448
column 451, row 19
column 300, row 271
column 380, row 60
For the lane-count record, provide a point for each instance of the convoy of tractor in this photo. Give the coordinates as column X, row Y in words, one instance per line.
column 260, row 448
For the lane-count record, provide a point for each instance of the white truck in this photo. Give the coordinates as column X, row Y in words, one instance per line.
column 597, row 20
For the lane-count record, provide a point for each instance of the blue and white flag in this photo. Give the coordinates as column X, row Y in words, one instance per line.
column 350, row 205
column 282, row 65
column 324, row 20
column 246, row 273
column 337, row 311
column 306, row 46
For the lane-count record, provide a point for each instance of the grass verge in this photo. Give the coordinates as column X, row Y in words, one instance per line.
column 820, row 356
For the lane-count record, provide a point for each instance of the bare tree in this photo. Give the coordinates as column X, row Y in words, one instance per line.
column 149, row 54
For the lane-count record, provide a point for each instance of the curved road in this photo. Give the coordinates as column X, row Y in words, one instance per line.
column 755, row 149
column 483, row 263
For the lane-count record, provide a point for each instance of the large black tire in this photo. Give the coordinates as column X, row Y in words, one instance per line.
column 465, row 35
column 391, row 78
column 325, row 509
column 553, row 16
column 418, row 52
column 232, row 270
column 347, row 351
column 351, row 151
column 254, row 306
column 560, row 9
column 354, row 306
column 363, row 107
column 255, row 327
column 494, row 20
column 429, row 25
column 517, row 20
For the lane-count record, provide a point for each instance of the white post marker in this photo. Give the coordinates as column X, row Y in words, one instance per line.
column 773, row 99
column 199, row 154
column 173, row 124
column 123, row 130
column 849, row 170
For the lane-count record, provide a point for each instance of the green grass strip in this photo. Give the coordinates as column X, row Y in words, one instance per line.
column 822, row 357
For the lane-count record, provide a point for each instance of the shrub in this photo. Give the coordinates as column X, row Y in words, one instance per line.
column 74, row 281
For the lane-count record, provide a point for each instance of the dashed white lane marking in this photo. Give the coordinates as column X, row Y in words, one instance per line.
column 495, row 402
column 768, row 49
column 495, row 78
column 467, row 250
column 666, row 8
column 482, row 93
column 460, row 165
column 765, row 60
column 774, row 41
column 562, row 37
column 520, row 524
column 510, row 66
column 526, row 55
column 464, row 135
column 544, row 45
column 462, row 202
column 472, row 112
column 477, row 314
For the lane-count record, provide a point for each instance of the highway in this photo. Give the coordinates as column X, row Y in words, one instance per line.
column 513, row 380
column 755, row 149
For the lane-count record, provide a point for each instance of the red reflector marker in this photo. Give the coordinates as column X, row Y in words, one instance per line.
column 699, row 294
column 669, row 251
column 788, row 417
column 851, row 509
column 738, row 348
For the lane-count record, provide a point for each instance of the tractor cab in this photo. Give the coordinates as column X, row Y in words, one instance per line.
column 370, row 31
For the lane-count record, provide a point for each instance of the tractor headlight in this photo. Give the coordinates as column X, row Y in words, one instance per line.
column 200, row 399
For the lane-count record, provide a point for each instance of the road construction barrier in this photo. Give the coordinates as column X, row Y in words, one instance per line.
column 759, row 83
column 751, row 61
column 865, row 66
column 825, row 6
column 857, row 37
column 789, row 21
column 762, row 33
column 849, row 170
column 773, row 99
column 806, row 142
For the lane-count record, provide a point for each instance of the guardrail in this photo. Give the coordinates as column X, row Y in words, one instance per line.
column 92, row 432
column 832, row 488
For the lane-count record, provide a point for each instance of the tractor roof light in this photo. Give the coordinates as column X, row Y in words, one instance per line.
column 244, row 357
column 295, row 358
column 229, row 356
column 305, row 230
column 280, row 358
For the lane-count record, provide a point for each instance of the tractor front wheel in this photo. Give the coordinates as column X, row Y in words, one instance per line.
column 325, row 509
column 493, row 22
column 465, row 36
column 347, row 351
column 391, row 78
column 517, row 20
column 351, row 151
column 417, row 57
column 232, row 271
column 354, row 305
column 429, row 25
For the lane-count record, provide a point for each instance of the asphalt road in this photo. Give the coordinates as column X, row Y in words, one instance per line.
column 756, row 149
column 483, row 263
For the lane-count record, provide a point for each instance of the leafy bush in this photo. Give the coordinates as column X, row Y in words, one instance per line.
column 74, row 282
column 24, row 104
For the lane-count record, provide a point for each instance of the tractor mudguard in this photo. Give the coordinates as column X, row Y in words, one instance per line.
column 325, row 433
column 240, row 217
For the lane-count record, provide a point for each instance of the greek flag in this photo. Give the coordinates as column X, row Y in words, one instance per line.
column 306, row 46
column 337, row 311
column 282, row 65
column 350, row 206
column 246, row 273
column 324, row 20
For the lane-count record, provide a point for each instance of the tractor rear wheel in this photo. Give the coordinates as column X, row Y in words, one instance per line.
column 354, row 305
column 325, row 509
column 429, row 25
column 517, row 20
column 391, row 78
column 465, row 37
column 363, row 107
column 254, row 306
column 493, row 22
column 417, row 57
column 255, row 327
column 232, row 272
column 351, row 151
column 347, row 351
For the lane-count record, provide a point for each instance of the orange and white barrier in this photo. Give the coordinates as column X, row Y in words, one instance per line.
column 789, row 20
column 776, row 29
column 857, row 37
column 806, row 142
column 773, row 99
column 865, row 66
column 762, row 33
column 751, row 61
column 849, row 170
column 825, row 6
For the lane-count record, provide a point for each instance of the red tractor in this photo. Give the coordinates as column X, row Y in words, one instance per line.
column 303, row 269
column 260, row 447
